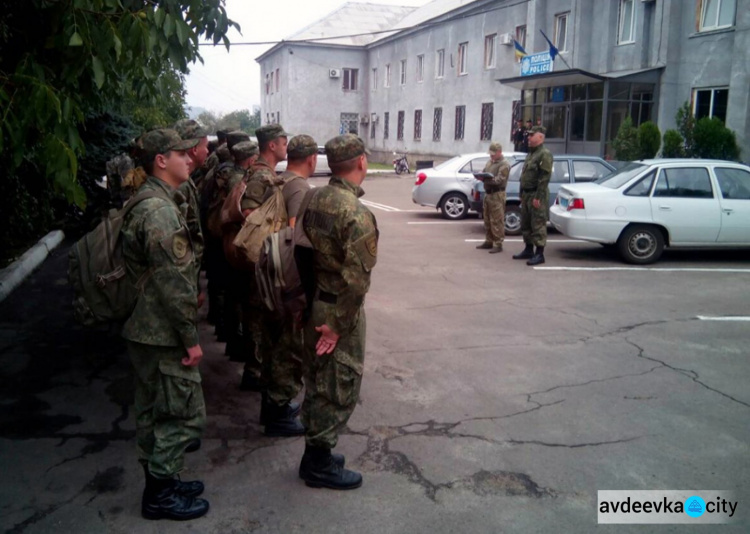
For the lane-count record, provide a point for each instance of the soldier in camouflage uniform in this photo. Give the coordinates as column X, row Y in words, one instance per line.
column 535, row 176
column 344, row 236
column 162, row 333
column 281, row 346
column 493, row 208
column 214, row 158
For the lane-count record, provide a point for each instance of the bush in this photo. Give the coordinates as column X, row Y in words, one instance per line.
column 626, row 143
column 686, row 125
column 649, row 139
column 673, row 146
column 713, row 140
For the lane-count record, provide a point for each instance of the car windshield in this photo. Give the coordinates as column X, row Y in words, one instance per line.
column 446, row 163
column 621, row 176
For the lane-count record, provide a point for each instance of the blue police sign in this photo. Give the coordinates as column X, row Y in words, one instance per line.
column 540, row 63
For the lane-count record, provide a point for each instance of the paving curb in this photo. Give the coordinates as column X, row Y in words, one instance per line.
column 15, row 273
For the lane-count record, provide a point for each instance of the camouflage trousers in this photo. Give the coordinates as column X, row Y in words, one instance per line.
column 169, row 406
column 493, row 212
column 242, row 293
column 534, row 221
column 281, row 359
column 332, row 381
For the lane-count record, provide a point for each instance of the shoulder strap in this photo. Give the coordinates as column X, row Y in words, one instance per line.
column 138, row 198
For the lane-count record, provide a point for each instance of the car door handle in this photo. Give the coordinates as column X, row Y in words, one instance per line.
column 665, row 208
column 728, row 211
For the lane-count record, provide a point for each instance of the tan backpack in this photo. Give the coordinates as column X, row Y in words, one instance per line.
column 267, row 219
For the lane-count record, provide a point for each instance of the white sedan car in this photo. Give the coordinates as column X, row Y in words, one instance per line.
column 321, row 167
column 651, row 204
column 447, row 186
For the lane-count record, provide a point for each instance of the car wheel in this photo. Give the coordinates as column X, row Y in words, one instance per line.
column 512, row 220
column 641, row 244
column 454, row 206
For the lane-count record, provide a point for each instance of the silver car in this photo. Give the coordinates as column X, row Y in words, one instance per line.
column 321, row 167
column 447, row 186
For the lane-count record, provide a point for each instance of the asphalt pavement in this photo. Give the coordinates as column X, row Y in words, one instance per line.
column 496, row 397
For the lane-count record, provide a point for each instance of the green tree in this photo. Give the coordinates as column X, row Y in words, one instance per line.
column 685, row 125
column 649, row 140
column 713, row 140
column 674, row 144
column 209, row 120
column 239, row 120
column 625, row 143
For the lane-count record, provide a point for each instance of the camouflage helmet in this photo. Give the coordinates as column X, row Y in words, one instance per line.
column 345, row 147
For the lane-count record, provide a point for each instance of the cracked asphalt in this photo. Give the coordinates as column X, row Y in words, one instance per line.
column 496, row 398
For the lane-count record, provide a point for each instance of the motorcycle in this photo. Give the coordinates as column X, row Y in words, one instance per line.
column 400, row 164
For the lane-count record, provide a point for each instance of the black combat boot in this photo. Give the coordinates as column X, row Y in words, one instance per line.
column 162, row 500
column 249, row 381
column 307, row 459
column 527, row 253
column 193, row 445
column 321, row 470
column 496, row 249
column 279, row 421
column 188, row 488
column 538, row 258
column 290, row 409
column 485, row 246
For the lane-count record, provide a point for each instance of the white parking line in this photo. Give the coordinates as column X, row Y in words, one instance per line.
column 378, row 206
column 730, row 318
column 647, row 269
column 439, row 222
column 521, row 240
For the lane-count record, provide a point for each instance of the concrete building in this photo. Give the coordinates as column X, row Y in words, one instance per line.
column 444, row 79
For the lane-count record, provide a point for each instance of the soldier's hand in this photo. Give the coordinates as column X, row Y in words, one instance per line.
column 327, row 341
column 536, row 203
column 201, row 298
column 194, row 356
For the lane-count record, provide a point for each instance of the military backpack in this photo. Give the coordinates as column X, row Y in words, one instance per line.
column 269, row 218
column 97, row 273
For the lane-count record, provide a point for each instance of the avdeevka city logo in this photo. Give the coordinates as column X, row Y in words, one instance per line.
column 695, row 506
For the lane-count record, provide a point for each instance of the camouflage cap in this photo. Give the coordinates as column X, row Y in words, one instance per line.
column 270, row 132
column 301, row 146
column 223, row 153
column 245, row 149
column 236, row 136
column 190, row 129
column 222, row 134
column 162, row 141
column 345, row 147
column 538, row 129
column 494, row 147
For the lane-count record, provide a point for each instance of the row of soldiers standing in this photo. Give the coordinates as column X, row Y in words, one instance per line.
column 166, row 239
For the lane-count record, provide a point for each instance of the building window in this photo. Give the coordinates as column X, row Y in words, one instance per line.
column 386, row 120
column 277, row 80
column 350, row 123
column 521, row 38
column 627, row 22
column 402, row 73
column 488, row 112
column 561, row 31
column 463, row 49
column 400, row 126
column 387, row 78
column 374, row 84
column 717, row 14
column 437, row 124
column 372, row 129
column 278, row 117
column 460, row 120
column 417, row 124
column 268, row 86
column 420, row 69
column 711, row 103
column 489, row 51
column 350, row 79
column 271, row 82
column 440, row 64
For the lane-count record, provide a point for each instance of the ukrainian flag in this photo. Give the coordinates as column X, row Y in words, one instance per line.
column 520, row 52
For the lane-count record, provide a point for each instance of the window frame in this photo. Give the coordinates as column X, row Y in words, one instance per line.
column 486, row 121
column 702, row 23
column 713, row 90
column 353, row 76
column 387, row 77
column 437, row 124
column 420, row 68
column 663, row 175
column 461, row 64
column 460, row 125
column 278, row 84
column 386, row 121
column 400, row 120
column 417, row 124
column 621, row 23
column 558, row 19
column 374, row 83
column 490, row 52
column 521, row 38
column 440, row 64
column 402, row 72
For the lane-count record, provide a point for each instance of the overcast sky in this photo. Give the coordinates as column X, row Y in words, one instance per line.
column 231, row 80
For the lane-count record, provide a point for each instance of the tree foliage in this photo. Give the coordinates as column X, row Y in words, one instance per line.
column 65, row 60
column 686, row 125
column 625, row 143
column 234, row 120
column 713, row 140
column 673, row 146
column 649, row 140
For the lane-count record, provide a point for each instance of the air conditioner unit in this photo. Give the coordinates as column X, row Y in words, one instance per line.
column 364, row 118
column 334, row 73
column 374, row 117
column 506, row 39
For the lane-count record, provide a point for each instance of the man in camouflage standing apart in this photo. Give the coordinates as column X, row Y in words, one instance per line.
column 344, row 236
column 162, row 333
column 535, row 176
column 493, row 208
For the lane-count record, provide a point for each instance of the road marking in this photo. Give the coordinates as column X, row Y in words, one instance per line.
column 647, row 269
column 439, row 222
column 521, row 240
column 730, row 318
column 378, row 206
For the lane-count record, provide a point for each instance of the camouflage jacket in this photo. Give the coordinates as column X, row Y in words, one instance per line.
column 344, row 235
column 499, row 170
column 186, row 198
column 536, row 173
column 260, row 177
column 158, row 252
